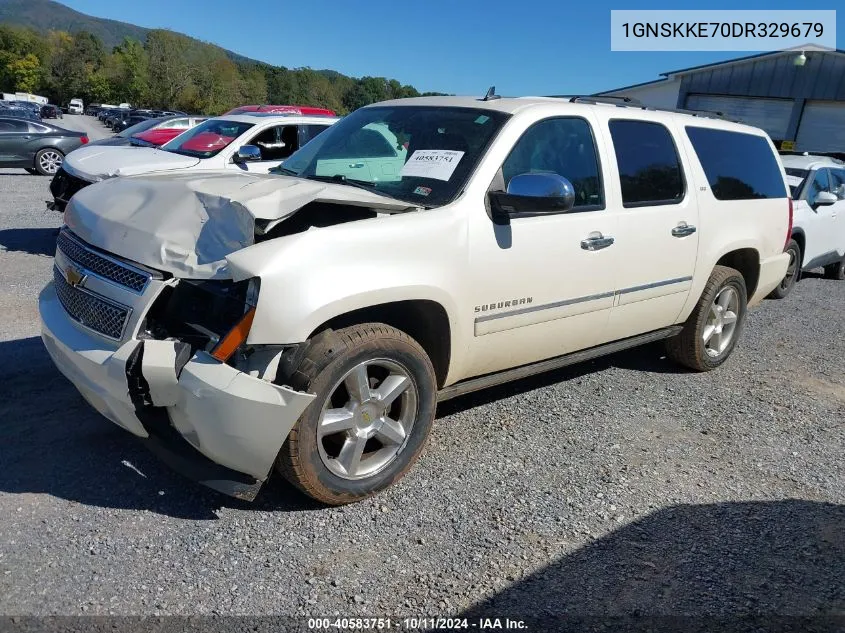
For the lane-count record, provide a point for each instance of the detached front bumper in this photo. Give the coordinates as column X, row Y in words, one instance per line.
column 213, row 423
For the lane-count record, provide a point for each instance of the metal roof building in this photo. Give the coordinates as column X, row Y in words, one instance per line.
column 797, row 95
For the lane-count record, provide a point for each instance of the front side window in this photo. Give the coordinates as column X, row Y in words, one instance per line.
column 562, row 146
column 738, row 166
column 207, row 139
column 649, row 168
column 837, row 183
column 423, row 155
column 277, row 142
column 820, row 183
column 8, row 126
column 796, row 178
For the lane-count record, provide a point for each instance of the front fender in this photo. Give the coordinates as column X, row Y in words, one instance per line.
column 314, row 276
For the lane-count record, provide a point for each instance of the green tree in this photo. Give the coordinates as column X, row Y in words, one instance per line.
column 131, row 72
column 25, row 73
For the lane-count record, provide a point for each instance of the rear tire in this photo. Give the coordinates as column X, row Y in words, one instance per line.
column 48, row 161
column 712, row 330
column 793, row 272
column 835, row 271
column 376, row 399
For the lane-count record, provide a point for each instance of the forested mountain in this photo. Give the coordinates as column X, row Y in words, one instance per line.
column 50, row 49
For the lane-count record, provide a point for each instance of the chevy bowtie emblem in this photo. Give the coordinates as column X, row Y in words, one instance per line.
column 74, row 276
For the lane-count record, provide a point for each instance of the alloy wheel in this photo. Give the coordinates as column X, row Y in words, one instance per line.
column 50, row 162
column 367, row 419
column 721, row 322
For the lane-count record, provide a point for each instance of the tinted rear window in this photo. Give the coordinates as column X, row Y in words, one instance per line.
column 738, row 166
column 649, row 169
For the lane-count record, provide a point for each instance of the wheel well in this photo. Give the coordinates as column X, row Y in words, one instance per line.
column 747, row 262
column 799, row 237
column 424, row 321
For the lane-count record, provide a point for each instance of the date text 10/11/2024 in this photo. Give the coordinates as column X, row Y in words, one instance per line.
column 414, row 624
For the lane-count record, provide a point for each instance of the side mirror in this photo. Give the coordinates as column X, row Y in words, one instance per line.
column 530, row 195
column 825, row 198
column 246, row 154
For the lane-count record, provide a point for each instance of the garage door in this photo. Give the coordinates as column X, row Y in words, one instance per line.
column 822, row 127
column 771, row 115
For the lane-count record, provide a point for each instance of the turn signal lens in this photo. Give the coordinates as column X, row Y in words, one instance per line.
column 84, row 140
column 235, row 338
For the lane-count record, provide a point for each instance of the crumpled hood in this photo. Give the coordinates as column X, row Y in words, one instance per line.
column 187, row 223
column 98, row 162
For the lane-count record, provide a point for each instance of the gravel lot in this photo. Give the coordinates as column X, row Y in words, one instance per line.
column 623, row 486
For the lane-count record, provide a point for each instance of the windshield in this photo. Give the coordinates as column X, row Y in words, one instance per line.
column 207, row 139
column 419, row 154
column 796, row 178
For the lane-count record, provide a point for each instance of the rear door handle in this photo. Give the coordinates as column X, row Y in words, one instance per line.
column 596, row 243
column 683, row 229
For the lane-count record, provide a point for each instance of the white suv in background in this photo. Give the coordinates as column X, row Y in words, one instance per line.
column 817, row 184
column 253, row 142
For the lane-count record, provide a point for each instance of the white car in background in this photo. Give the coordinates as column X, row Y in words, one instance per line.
column 254, row 142
column 817, row 184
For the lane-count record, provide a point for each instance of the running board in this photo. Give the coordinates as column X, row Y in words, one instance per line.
column 524, row 371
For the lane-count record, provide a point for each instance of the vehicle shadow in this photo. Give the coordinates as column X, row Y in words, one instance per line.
column 52, row 442
column 39, row 241
column 17, row 172
column 744, row 566
column 646, row 358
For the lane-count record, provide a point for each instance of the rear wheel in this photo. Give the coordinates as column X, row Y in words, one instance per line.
column 793, row 272
column 376, row 399
column 835, row 271
column 48, row 161
column 711, row 331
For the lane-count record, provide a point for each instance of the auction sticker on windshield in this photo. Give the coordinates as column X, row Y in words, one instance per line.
column 438, row 164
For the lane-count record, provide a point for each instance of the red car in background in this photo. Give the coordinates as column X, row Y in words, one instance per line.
column 283, row 109
column 167, row 131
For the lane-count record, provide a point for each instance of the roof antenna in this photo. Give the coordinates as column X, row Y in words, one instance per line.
column 491, row 94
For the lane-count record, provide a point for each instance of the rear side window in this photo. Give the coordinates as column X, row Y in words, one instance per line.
column 649, row 168
column 738, row 166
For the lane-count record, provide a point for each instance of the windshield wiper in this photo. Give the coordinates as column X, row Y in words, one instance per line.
column 340, row 179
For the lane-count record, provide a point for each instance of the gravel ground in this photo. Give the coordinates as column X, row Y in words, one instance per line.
column 623, row 486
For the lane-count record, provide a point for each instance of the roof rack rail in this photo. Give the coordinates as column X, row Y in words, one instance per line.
column 630, row 102
column 620, row 101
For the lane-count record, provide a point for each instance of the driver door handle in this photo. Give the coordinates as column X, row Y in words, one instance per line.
column 683, row 229
column 596, row 242
column 355, row 165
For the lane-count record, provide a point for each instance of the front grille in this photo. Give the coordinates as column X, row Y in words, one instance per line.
column 63, row 186
column 102, row 316
column 101, row 265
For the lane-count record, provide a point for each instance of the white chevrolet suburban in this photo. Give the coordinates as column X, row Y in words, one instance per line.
column 817, row 184
column 415, row 251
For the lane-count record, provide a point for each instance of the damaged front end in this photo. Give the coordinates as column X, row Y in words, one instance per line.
column 176, row 371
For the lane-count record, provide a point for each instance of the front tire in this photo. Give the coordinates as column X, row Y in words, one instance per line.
column 835, row 271
column 712, row 330
column 793, row 272
column 48, row 161
column 376, row 399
